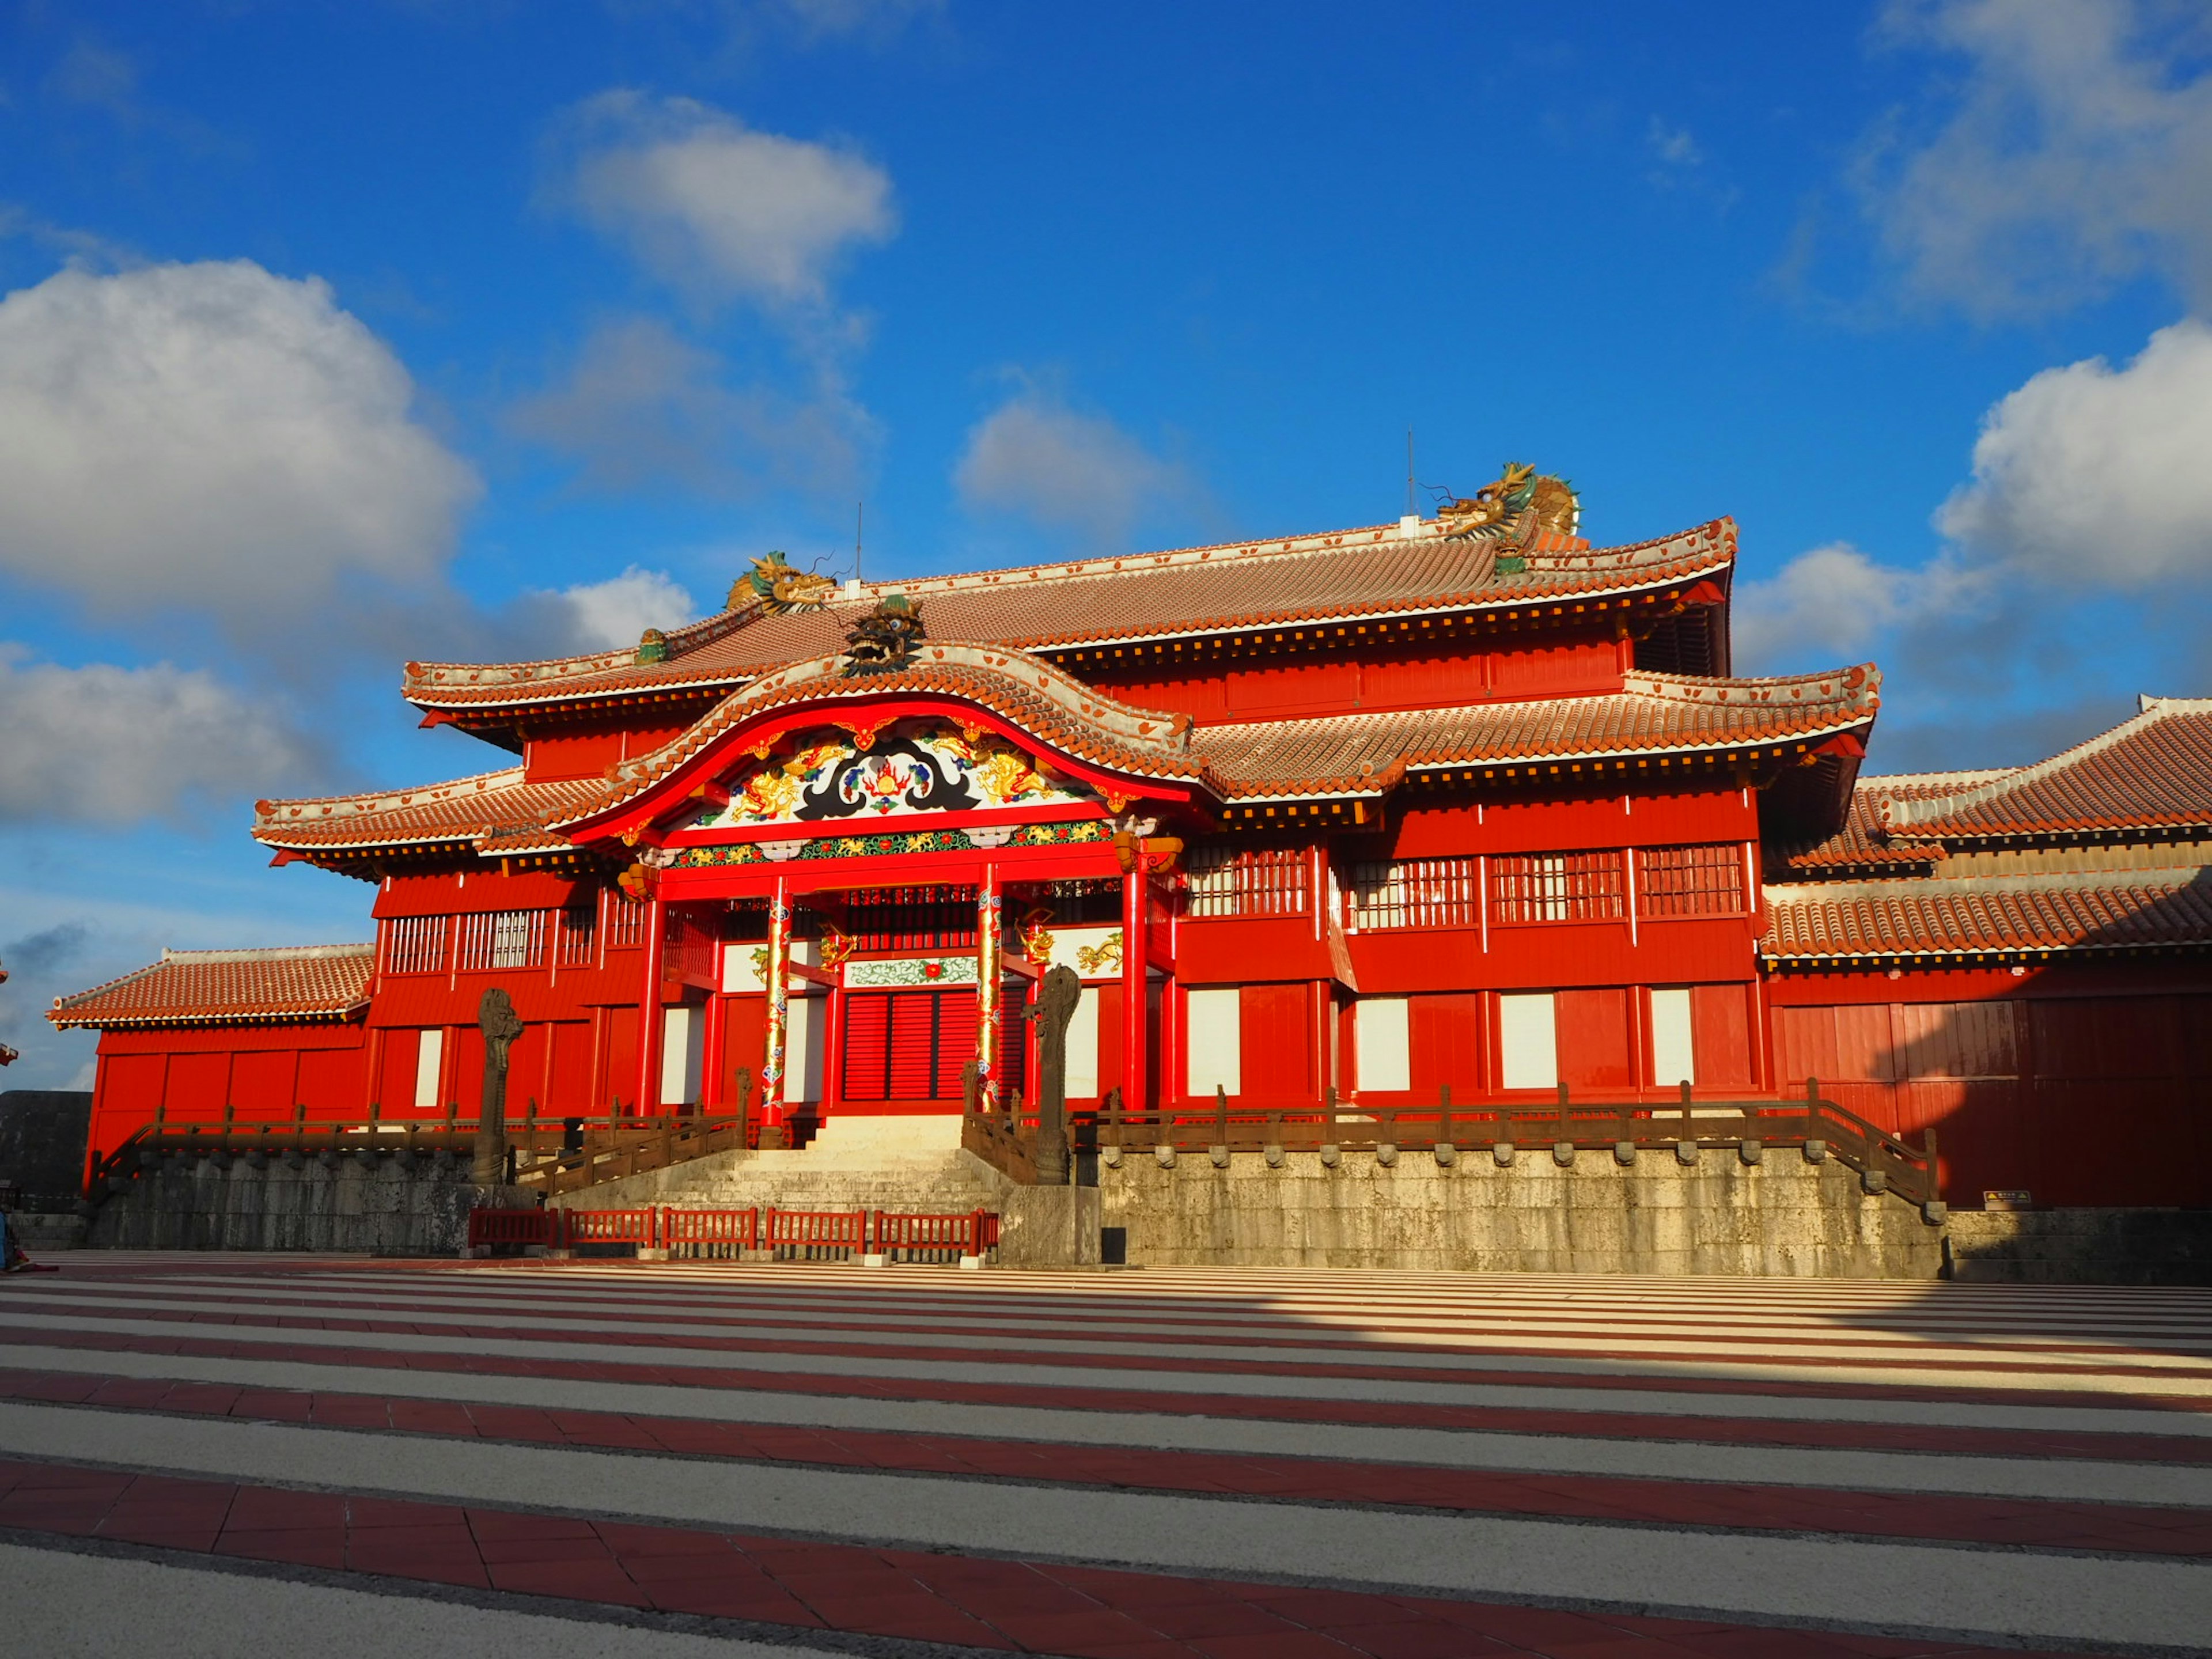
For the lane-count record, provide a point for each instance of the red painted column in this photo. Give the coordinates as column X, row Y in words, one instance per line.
column 1318, row 1017
column 775, row 1058
column 1134, row 1093
column 832, row 1051
column 990, row 914
column 648, row 1011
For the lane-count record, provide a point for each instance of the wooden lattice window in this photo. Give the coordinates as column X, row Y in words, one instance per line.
column 1251, row 881
column 1417, row 893
column 1557, row 887
column 415, row 944
column 625, row 921
column 912, row 918
column 579, row 936
column 1690, row 881
column 502, row 939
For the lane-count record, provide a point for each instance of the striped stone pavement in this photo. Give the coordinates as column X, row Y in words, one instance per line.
column 214, row 1454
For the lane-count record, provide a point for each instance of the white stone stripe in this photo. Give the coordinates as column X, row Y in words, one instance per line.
column 1372, row 1325
column 1731, row 1364
column 61, row 1602
column 1046, row 1381
column 2054, row 1480
column 2016, row 1595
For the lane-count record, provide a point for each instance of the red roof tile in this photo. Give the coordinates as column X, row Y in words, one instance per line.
column 487, row 808
column 1865, row 840
column 2102, row 911
column 1655, row 713
column 1369, row 571
column 293, row 983
column 2155, row 770
column 1334, row 755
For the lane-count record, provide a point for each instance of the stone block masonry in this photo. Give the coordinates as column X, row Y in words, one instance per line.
column 1596, row 1212
column 420, row 1207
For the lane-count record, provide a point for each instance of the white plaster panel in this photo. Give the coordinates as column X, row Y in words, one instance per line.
column 428, row 1059
column 1385, row 1044
column 805, row 1045
column 1673, row 1055
column 683, row 1054
column 1528, row 1040
column 1083, row 1047
column 1214, row 1034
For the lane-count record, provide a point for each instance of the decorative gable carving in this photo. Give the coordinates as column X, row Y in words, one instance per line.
column 826, row 775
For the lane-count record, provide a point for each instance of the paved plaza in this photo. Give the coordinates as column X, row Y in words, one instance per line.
column 204, row 1454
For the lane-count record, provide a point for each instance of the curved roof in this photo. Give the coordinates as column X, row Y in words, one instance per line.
column 1352, row 756
column 2155, row 770
column 1651, row 714
column 485, row 807
column 1033, row 694
column 2003, row 915
column 200, row 987
column 1377, row 571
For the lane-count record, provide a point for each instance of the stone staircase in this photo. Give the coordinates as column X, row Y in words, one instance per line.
column 909, row 1164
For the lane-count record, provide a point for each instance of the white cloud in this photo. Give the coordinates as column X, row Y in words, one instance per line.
column 214, row 436
column 1831, row 603
column 641, row 407
column 1036, row 457
column 718, row 210
column 2090, row 476
column 108, row 745
column 1675, row 146
column 604, row 614
column 2077, row 155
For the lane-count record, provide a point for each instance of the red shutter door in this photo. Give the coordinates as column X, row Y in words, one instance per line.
column 913, row 1059
column 1593, row 1038
column 261, row 1084
column 1720, row 1035
column 955, row 1039
column 1276, row 1048
column 867, row 1045
column 1445, row 1033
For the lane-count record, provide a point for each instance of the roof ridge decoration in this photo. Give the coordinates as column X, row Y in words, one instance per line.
column 269, row 953
column 1701, row 548
column 270, row 814
column 1963, row 778
column 774, row 586
column 1859, row 684
column 1903, row 815
column 1514, row 511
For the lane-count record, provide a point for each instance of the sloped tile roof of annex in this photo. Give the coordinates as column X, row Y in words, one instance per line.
column 486, row 807
column 2154, row 770
column 1370, row 572
column 1654, row 713
column 198, row 988
column 1864, row 841
column 2099, row 910
column 1336, row 754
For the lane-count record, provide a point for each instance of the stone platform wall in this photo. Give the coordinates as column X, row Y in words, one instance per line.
column 2080, row 1247
column 1784, row 1216
column 419, row 1208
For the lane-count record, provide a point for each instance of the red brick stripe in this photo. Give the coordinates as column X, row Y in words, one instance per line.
column 1622, row 1425
column 973, row 1602
column 2007, row 1521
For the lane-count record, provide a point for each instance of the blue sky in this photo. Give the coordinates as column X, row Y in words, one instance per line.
column 333, row 336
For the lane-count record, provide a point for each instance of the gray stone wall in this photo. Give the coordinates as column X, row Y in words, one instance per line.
column 42, row 1135
column 385, row 1206
column 1784, row 1216
column 2081, row 1247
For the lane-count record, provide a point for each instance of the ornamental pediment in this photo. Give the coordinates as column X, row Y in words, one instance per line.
column 827, row 775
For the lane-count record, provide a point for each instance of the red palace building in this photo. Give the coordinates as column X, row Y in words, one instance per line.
column 1457, row 801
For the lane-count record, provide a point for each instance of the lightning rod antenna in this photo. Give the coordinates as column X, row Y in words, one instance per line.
column 859, row 523
column 1410, row 508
